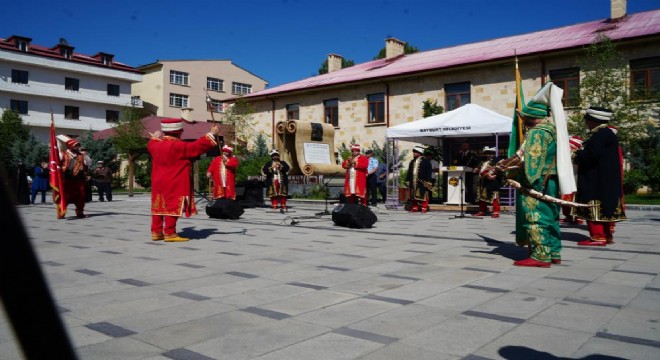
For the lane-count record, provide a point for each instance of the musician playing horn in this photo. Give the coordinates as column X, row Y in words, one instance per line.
column 488, row 184
column 420, row 180
column 277, row 180
column 355, row 184
column 222, row 172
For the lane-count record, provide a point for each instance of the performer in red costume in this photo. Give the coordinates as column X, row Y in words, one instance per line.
column 355, row 185
column 171, row 189
column 75, row 166
column 223, row 173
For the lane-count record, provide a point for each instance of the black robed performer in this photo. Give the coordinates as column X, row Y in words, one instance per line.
column 277, row 180
column 419, row 180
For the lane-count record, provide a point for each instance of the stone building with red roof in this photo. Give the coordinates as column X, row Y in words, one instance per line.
column 362, row 101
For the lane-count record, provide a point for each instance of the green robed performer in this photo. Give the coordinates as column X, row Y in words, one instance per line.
column 543, row 163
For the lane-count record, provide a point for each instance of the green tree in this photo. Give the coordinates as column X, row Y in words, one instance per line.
column 31, row 151
column 605, row 83
column 430, row 108
column 12, row 129
column 344, row 64
column 643, row 155
column 130, row 140
column 100, row 150
column 240, row 117
column 407, row 49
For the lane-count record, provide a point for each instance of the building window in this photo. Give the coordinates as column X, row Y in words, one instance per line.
column 113, row 90
column 180, row 101
column 66, row 52
column 214, row 84
column 331, row 112
column 178, row 77
column 22, row 45
column 645, row 78
column 71, row 112
column 376, row 108
column 19, row 76
column 216, row 106
column 71, row 84
column 111, row 116
column 240, row 89
column 569, row 80
column 293, row 112
column 457, row 95
column 20, row 106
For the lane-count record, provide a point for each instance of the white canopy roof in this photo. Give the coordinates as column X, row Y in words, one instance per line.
column 467, row 121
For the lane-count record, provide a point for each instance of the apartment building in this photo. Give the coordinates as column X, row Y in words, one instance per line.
column 179, row 88
column 83, row 92
column 362, row 101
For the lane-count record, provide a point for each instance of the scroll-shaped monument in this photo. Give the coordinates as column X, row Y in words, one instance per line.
column 309, row 148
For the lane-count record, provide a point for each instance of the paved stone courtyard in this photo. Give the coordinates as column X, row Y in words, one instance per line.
column 291, row 286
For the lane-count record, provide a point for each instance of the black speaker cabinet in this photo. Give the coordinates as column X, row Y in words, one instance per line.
column 224, row 209
column 353, row 216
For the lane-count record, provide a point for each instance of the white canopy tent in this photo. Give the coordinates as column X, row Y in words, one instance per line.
column 467, row 121
column 470, row 120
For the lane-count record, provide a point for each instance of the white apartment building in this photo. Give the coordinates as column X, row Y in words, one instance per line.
column 83, row 92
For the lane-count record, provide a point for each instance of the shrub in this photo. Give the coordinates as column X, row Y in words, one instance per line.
column 633, row 180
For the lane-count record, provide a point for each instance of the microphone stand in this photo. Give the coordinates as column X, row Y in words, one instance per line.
column 327, row 195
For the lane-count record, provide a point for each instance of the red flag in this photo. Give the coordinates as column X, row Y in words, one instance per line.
column 56, row 181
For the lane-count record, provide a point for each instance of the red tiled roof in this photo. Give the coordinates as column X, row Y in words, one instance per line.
column 191, row 131
column 38, row 50
column 573, row 36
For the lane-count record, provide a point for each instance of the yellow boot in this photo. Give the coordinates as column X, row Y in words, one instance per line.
column 175, row 238
column 157, row 237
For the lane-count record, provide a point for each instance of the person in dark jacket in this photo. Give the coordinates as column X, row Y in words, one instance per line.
column 40, row 181
column 600, row 178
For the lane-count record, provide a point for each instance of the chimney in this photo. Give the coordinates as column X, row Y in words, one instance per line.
column 393, row 48
column 334, row 62
column 617, row 9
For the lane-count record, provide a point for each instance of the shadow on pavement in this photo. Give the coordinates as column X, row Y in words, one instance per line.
column 508, row 250
column 525, row 353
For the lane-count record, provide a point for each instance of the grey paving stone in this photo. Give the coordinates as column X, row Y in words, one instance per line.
column 134, row 282
column 309, row 301
column 460, row 299
column 616, row 350
column 403, row 321
column 126, row 348
column 460, row 335
column 190, row 296
column 110, row 329
column 398, row 351
column 346, row 313
column 328, row 346
column 575, row 316
column 185, row 354
column 635, row 323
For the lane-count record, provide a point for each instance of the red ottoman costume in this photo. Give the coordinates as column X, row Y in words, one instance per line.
column 223, row 173
column 75, row 167
column 171, row 188
column 355, row 184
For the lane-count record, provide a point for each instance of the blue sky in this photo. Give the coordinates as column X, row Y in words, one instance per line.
column 284, row 40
